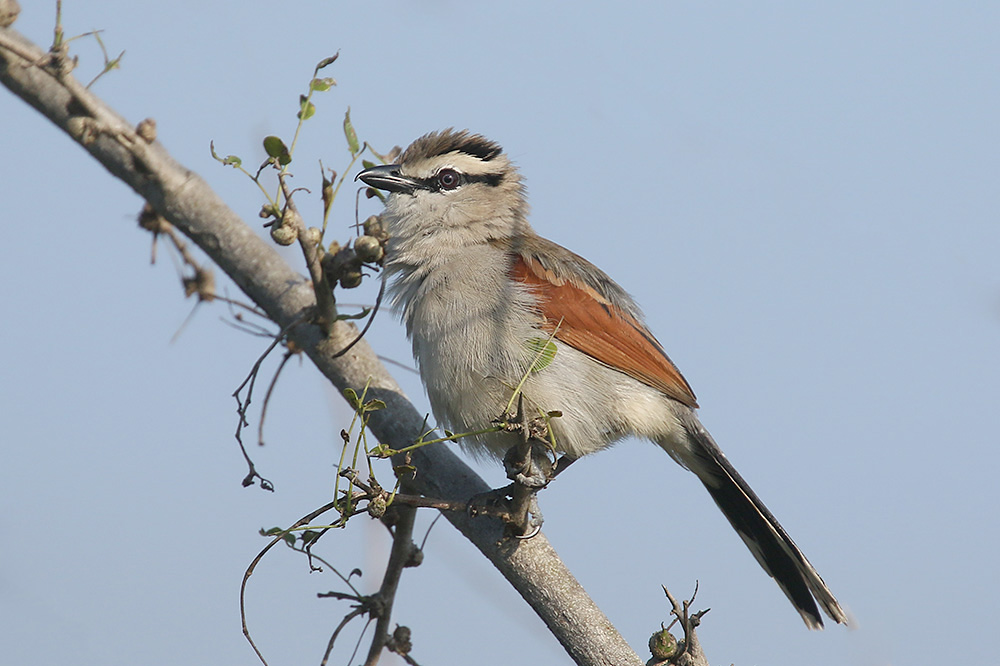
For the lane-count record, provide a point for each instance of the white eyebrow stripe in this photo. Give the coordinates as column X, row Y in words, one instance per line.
column 461, row 162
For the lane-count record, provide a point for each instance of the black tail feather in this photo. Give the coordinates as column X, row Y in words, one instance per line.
column 763, row 535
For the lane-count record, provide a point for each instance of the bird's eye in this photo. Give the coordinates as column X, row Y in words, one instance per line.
column 448, row 179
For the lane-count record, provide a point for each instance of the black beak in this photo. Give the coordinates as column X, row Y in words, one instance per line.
column 388, row 178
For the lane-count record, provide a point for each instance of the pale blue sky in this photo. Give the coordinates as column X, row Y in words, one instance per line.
column 803, row 198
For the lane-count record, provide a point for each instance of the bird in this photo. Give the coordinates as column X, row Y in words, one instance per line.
column 480, row 292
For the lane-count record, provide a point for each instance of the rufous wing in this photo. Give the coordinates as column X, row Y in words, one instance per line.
column 581, row 317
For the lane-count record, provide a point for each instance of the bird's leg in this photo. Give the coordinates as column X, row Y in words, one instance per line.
column 529, row 465
column 530, row 474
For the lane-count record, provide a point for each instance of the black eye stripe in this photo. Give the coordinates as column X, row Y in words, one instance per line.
column 432, row 183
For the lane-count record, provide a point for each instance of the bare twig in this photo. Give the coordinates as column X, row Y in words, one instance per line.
column 270, row 391
column 310, row 242
column 202, row 280
column 306, row 519
column 419, row 501
column 336, row 632
column 243, row 405
column 371, row 318
column 687, row 651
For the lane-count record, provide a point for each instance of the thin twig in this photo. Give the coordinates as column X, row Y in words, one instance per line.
column 419, row 501
column 371, row 318
column 336, row 632
column 242, row 406
column 689, row 652
column 253, row 565
column 267, row 396
column 326, row 309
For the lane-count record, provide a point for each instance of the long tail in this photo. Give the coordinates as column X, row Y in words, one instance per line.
column 763, row 535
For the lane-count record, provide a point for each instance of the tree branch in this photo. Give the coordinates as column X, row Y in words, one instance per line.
column 186, row 201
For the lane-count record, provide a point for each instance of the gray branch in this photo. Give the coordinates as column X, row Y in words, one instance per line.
column 184, row 199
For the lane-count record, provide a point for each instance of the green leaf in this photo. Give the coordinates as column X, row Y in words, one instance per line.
column 352, row 398
column 544, row 350
column 306, row 108
column 352, row 136
column 276, row 148
column 322, row 85
column 367, row 164
column 404, row 470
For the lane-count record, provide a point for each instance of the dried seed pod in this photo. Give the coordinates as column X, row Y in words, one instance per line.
column 283, row 235
column 369, row 249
